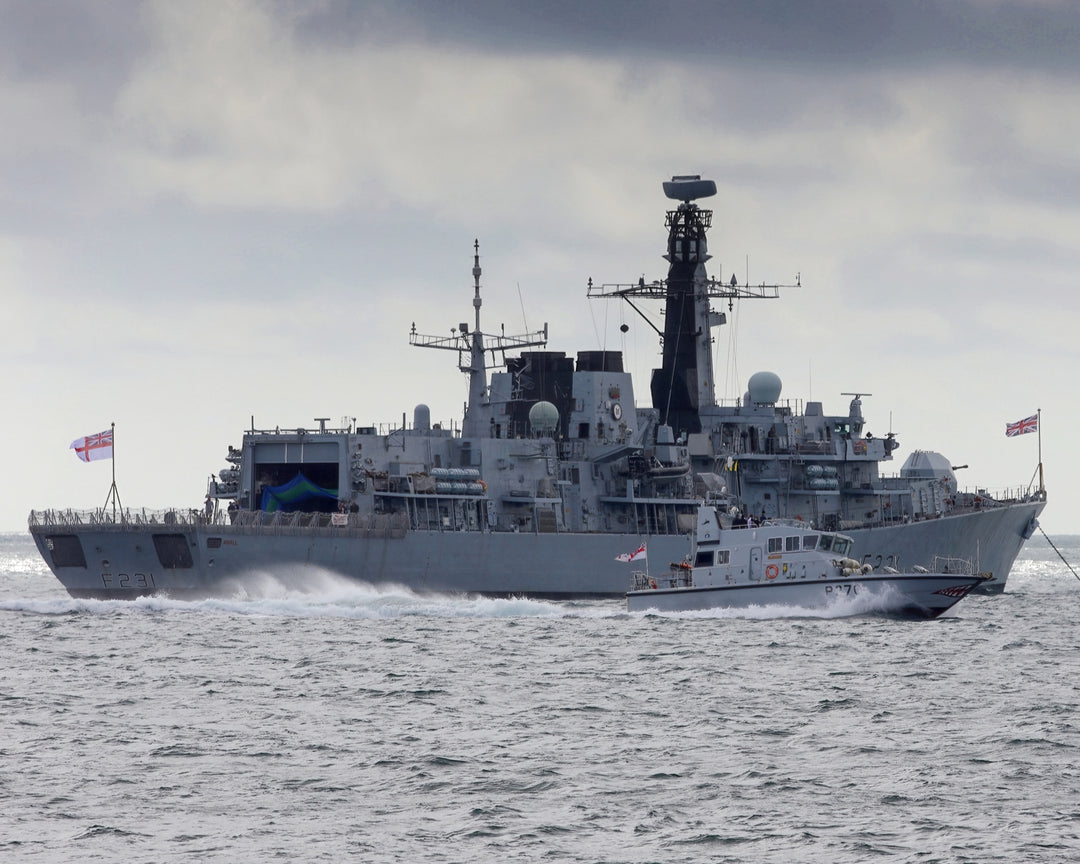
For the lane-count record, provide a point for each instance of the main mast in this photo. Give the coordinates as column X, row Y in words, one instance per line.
column 684, row 386
column 684, row 382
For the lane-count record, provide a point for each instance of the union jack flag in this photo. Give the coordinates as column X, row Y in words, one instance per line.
column 94, row 447
column 1022, row 427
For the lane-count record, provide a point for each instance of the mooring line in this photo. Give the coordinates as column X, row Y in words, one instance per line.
column 1062, row 557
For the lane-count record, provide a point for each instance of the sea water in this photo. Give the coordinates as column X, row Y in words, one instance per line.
column 382, row 726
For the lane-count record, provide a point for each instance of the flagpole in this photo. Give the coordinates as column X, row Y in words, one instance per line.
column 1042, row 488
column 112, row 433
column 113, row 495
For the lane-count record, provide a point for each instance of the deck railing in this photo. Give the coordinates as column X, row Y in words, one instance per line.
column 241, row 522
column 121, row 519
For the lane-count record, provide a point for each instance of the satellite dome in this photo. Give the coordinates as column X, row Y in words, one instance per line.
column 544, row 418
column 421, row 418
column 764, row 388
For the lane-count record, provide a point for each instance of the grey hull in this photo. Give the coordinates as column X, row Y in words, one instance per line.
column 908, row 595
column 122, row 561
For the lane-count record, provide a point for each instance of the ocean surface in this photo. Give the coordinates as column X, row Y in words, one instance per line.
column 381, row 726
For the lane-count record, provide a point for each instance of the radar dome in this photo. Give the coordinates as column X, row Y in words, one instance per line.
column 544, row 418
column 764, row 388
column 421, row 418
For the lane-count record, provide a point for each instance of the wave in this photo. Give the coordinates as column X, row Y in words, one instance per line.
column 326, row 596
column 843, row 609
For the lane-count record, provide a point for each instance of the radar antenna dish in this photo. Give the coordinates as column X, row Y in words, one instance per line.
column 688, row 187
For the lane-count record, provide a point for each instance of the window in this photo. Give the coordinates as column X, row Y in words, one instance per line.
column 809, row 541
column 776, row 544
column 792, row 544
column 704, row 559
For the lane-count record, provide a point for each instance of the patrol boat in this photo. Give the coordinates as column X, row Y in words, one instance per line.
column 554, row 466
column 739, row 566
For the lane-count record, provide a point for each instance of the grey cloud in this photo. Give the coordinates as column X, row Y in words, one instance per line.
column 90, row 45
column 828, row 34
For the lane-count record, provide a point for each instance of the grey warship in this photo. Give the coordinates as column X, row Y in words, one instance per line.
column 554, row 473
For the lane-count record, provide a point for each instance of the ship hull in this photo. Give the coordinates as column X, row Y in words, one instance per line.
column 126, row 561
column 906, row 595
column 990, row 539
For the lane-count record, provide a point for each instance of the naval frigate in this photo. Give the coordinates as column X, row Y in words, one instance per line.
column 553, row 474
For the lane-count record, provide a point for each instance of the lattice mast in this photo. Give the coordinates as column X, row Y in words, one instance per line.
column 471, row 347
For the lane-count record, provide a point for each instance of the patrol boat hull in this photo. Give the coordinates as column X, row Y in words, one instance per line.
column 905, row 595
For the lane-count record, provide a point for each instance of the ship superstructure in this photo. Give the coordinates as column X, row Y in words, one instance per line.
column 554, row 471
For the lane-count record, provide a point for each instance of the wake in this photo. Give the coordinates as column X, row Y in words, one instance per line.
column 321, row 595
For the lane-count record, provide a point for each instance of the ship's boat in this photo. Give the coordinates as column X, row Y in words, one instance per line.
column 553, row 468
column 736, row 564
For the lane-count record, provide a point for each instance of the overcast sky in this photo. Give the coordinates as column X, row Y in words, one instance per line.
column 213, row 211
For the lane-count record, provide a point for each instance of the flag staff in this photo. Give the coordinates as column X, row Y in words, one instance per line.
column 1038, row 424
column 114, row 494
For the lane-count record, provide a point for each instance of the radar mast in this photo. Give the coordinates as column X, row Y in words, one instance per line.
column 472, row 345
column 684, row 385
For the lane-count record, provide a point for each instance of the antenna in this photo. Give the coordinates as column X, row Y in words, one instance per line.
column 521, row 301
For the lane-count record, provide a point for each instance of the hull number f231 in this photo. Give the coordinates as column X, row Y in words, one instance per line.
column 127, row 581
